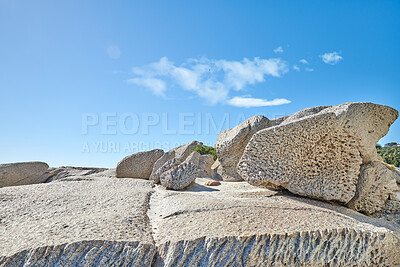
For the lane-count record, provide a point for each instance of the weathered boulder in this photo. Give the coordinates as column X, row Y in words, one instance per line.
column 172, row 158
column 205, row 163
column 375, row 186
column 138, row 165
column 319, row 155
column 22, row 173
column 232, row 142
column 181, row 176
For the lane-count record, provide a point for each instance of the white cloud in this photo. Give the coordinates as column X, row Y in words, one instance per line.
column 296, row 68
column 113, row 51
column 309, row 69
column 248, row 102
column 210, row 79
column 157, row 86
column 331, row 58
column 303, row 61
column 279, row 49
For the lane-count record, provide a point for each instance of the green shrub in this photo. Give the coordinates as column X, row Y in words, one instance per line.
column 390, row 155
column 203, row 150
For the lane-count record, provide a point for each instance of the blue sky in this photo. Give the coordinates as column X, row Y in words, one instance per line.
column 86, row 83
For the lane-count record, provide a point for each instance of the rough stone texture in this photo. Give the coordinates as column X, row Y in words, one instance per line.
column 171, row 159
column 22, row 173
column 69, row 172
column 216, row 170
column 182, row 175
column 155, row 177
column 205, row 163
column 125, row 222
column 138, row 165
column 322, row 153
column 232, row 142
column 303, row 113
column 236, row 224
column 168, row 156
column 96, row 221
column 397, row 175
column 375, row 185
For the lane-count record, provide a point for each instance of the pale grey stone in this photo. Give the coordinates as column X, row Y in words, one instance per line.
column 205, row 163
column 22, row 173
column 318, row 155
column 375, row 186
column 171, row 159
column 138, row 165
column 232, row 142
column 182, row 175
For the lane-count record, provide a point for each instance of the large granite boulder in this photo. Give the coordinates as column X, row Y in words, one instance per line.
column 138, row 165
column 318, row 155
column 171, row 159
column 181, row 176
column 127, row 222
column 377, row 183
column 22, row 173
column 232, row 142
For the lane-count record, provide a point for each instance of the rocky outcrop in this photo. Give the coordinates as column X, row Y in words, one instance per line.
column 317, row 155
column 239, row 225
column 205, row 163
column 126, row 222
column 99, row 222
column 22, row 173
column 232, row 142
column 138, row 165
column 64, row 173
column 182, row 175
column 171, row 159
column 375, row 186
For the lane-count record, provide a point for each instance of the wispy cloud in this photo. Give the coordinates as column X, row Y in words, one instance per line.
column 248, row 102
column 309, row 69
column 331, row 58
column 113, row 51
column 296, row 68
column 210, row 79
column 303, row 61
column 279, row 49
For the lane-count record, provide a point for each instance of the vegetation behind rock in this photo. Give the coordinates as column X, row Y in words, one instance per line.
column 203, row 150
column 390, row 155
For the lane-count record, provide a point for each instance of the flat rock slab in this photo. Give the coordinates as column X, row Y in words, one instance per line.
column 237, row 224
column 62, row 223
column 103, row 221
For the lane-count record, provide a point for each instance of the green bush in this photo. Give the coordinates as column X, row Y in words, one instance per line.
column 390, row 155
column 203, row 150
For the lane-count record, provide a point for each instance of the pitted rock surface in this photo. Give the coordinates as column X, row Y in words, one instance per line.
column 376, row 185
column 320, row 155
column 232, row 142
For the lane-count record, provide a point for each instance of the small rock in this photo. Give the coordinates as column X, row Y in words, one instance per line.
column 212, row 183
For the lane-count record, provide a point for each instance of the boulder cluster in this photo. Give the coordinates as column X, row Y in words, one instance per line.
column 306, row 189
